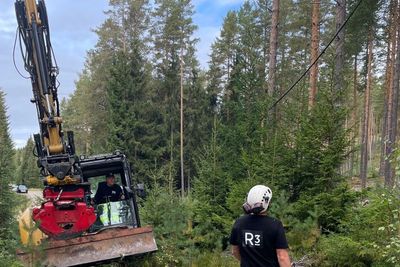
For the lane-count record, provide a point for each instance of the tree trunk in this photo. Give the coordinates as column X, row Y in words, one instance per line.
column 338, row 77
column 263, row 5
column 393, row 95
column 391, row 52
column 339, row 47
column 170, row 175
column 181, row 128
column 367, row 111
column 354, row 117
column 314, row 53
column 371, row 135
column 273, row 44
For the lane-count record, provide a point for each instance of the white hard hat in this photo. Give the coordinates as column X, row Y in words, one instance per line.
column 259, row 197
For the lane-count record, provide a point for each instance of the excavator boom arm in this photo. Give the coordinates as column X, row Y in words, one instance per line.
column 68, row 213
column 56, row 157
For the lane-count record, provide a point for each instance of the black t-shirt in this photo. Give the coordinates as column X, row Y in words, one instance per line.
column 106, row 193
column 258, row 237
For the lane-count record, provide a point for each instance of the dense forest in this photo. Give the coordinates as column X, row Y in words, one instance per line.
column 199, row 139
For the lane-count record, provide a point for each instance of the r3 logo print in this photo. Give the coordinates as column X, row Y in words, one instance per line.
column 252, row 238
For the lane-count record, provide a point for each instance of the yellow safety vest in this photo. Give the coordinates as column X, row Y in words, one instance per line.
column 111, row 213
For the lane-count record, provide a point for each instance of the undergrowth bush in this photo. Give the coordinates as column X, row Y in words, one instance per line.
column 368, row 236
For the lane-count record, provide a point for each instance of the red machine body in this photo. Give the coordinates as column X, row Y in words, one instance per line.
column 64, row 213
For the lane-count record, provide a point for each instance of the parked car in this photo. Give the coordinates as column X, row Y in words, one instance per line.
column 22, row 188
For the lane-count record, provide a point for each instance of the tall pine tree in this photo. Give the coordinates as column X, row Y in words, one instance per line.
column 172, row 32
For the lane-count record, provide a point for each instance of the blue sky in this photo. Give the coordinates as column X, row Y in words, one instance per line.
column 71, row 24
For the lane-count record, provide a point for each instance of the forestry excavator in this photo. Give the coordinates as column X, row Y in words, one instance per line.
column 69, row 227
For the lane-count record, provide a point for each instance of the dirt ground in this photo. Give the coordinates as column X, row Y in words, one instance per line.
column 33, row 194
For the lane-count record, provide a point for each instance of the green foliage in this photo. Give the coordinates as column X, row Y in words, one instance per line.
column 87, row 110
column 211, row 188
column 27, row 171
column 357, row 31
column 6, row 167
column 343, row 251
column 215, row 259
column 8, row 238
column 7, row 152
column 330, row 208
column 78, row 114
column 182, row 239
column 130, row 126
column 302, row 235
column 320, row 149
column 174, row 51
column 8, row 244
column 369, row 233
column 171, row 218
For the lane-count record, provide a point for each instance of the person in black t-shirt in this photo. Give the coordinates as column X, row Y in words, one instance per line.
column 256, row 238
column 108, row 191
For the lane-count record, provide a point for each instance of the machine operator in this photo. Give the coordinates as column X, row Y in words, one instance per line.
column 108, row 191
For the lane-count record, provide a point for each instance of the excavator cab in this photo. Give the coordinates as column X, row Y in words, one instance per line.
column 122, row 212
column 117, row 232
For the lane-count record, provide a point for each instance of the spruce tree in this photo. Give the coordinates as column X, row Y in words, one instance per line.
column 131, row 124
column 6, row 164
column 172, row 32
column 223, row 53
column 79, row 117
column 6, row 173
column 132, row 117
column 28, row 172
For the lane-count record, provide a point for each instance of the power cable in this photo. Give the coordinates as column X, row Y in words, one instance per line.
column 316, row 60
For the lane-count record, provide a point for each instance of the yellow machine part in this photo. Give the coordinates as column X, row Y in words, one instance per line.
column 53, row 181
column 55, row 143
column 30, row 234
column 31, row 11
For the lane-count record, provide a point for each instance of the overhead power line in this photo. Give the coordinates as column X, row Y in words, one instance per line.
column 316, row 60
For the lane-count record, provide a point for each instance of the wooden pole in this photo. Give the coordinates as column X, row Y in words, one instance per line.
column 181, row 130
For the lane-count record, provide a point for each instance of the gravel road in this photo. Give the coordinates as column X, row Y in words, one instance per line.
column 35, row 196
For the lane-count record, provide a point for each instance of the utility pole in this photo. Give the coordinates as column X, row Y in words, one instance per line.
column 181, row 132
